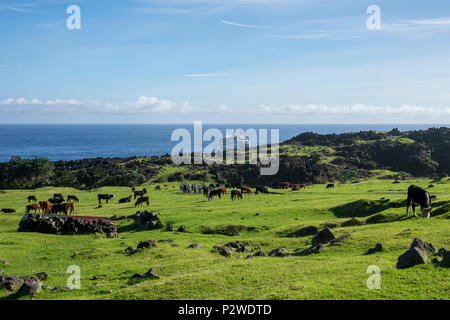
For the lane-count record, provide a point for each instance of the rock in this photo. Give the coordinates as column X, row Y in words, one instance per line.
column 280, row 252
column 378, row 248
column 426, row 246
column 42, row 275
column 311, row 250
column 151, row 274
column 60, row 288
column 129, row 250
column 257, row 254
column 146, row 244
column 11, row 282
column 30, row 288
column 445, row 254
column 195, row 245
column 169, row 241
column 4, row 262
column 136, row 276
column 45, row 287
column 340, row 239
column 324, row 236
column 412, row 257
column 109, row 291
column 181, row 229
column 224, row 251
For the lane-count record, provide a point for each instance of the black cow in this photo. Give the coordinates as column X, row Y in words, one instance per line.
column 56, row 200
column 236, row 195
column 58, row 196
column 124, row 200
column 213, row 193
column 420, row 196
column 139, row 193
column 330, row 185
column 60, row 208
column 32, row 198
column 106, row 197
column 8, row 211
column 261, row 189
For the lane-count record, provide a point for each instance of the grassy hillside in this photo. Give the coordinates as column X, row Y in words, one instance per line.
column 337, row 272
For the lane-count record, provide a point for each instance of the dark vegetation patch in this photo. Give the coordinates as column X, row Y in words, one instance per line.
column 301, row 232
column 228, row 230
column 360, row 208
column 383, row 218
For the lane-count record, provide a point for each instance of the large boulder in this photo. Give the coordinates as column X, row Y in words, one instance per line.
column 30, row 288
column 146, row 244
column 280, row 252
column 416, row 254
column 195, row 245
column 323, row 236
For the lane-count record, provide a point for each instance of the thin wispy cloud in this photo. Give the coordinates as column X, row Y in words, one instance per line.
column 243, row 25
column 17, row 7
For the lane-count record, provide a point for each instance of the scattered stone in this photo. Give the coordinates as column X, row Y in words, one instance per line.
column 223, row 251
column 66, row 225
column 151, row 274
column 257, row 214
column 280, row 252
column 146, row 244
column 42, row 275
column 235, row 233
column 109, row 291
column 426, row 246
column 313, row 249
column 129, row 250
column 181, row 229
column 195, row 245
column 11, row 282
column 4, row 262
column 136, row 276
column 30, row 288
column 405, row 231
column 60, row 288
column 46, row 287
column 8, row 211
column 416, row 254
column 169, row 241
column 146, row 219
column 260, row 254
column 75, row 254
column 340, row 239
column 324, row 236
column 378, row 248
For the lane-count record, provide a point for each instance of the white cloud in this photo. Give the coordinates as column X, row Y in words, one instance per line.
column 243, row 25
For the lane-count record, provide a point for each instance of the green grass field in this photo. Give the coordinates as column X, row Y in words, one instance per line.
column 338, row 272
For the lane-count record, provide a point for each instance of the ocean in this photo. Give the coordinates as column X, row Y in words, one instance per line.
column 71, row 142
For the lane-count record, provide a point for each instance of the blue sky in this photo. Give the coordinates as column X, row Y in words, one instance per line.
column 225, row 61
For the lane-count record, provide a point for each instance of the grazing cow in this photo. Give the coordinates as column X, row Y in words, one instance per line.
column 56, row 200
column 73, row 198
column 245, row 189
column 223, row 190
column 60, row 208
column 295, row 187
column 285, row 185
column 35, row 207
column 330, row 185
column 125, row 200
column 236, row 195
column 70, row 207
column 158, row 188
column 303, row 186
column 139, row 193
column 166, row 186
column 205, row 191
column 58, row 196
column 213, row 193
column 106, row 197
column 211, row 185
column 32, row 198
column 263, row 190
column 46, row 206
column 420, row 196
column 8, row 210
column 141, row 201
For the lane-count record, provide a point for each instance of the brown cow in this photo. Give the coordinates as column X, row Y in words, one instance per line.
column 46, row 206
column 295, row 187
column 141, row 201
column 34, row 207
column 285, row 185
column 222, row 190
column 73, row 197
column 303, row 186
column 70, row 207
column 158, row 188
column 245, row 189
column 166, row 186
